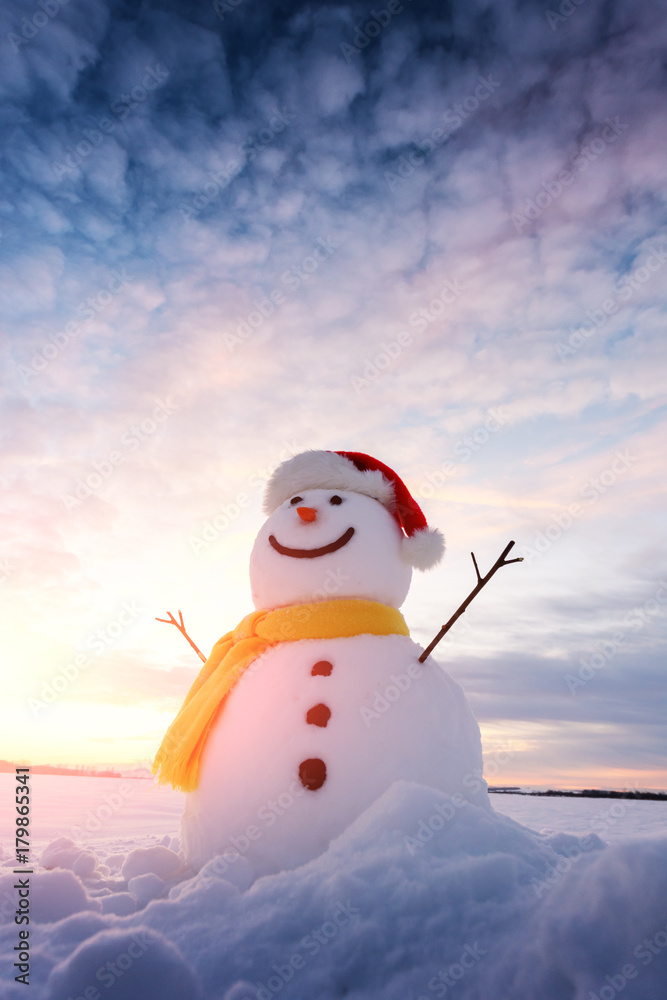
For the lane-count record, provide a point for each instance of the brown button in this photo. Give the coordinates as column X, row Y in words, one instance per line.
column 312, row 773
column 322, row 668
column 318, row 715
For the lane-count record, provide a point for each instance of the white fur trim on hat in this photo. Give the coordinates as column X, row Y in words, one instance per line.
column 324, row 470
column 424, row 548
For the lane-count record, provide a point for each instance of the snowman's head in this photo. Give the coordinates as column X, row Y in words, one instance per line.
column 326, row 543
column 341, row 525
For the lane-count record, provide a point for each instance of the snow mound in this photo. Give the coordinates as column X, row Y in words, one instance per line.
column 54, row 895
column 138, row 964
column 120, row 903
column 158, row 861
column 64, row 853
column 422, row 896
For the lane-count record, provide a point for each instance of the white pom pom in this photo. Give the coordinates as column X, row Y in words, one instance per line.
column 424, row 549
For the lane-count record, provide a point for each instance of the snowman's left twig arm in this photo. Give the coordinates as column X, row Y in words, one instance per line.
column 481, row 580
column 181, row 628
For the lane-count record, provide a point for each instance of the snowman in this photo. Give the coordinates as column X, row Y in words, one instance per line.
column 317, row 702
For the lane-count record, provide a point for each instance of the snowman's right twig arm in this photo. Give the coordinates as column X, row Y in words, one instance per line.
column 181, row 628
column 481, row 580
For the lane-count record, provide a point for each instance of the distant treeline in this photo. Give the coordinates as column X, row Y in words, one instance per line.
column 586, row 793
column 85, row 771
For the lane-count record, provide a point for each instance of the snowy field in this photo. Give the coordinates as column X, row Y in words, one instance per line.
column 121, row 807
column 550, row 898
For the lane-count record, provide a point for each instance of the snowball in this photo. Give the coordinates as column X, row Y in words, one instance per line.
column 157, row 860
column 85, row 864
column 63, row 847
column 64, row 853
column 233, row 869
column 137, row 964
column 146, row 887
column 567, row 844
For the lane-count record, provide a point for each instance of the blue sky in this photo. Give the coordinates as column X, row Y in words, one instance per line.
column 436, row 234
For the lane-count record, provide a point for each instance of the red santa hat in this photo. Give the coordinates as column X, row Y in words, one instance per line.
column 352, row 471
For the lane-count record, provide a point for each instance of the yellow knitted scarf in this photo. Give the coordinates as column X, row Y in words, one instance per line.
column 178, row 761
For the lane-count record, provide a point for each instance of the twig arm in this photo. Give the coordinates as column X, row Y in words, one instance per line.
column 181, row 628
column 481, row 581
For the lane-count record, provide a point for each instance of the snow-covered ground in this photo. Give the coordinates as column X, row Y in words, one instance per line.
column 94, row 808
column 612, row 819
column 419, row 898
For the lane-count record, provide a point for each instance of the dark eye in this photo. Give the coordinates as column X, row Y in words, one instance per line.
column 296, row 500
column 335, row 500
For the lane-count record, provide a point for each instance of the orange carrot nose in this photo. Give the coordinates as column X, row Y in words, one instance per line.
column 306, row 513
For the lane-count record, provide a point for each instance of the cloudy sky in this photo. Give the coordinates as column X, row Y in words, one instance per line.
column 435, row 233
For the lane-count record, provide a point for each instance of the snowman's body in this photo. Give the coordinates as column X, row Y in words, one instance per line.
column 390, row 718
column 316, row 730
